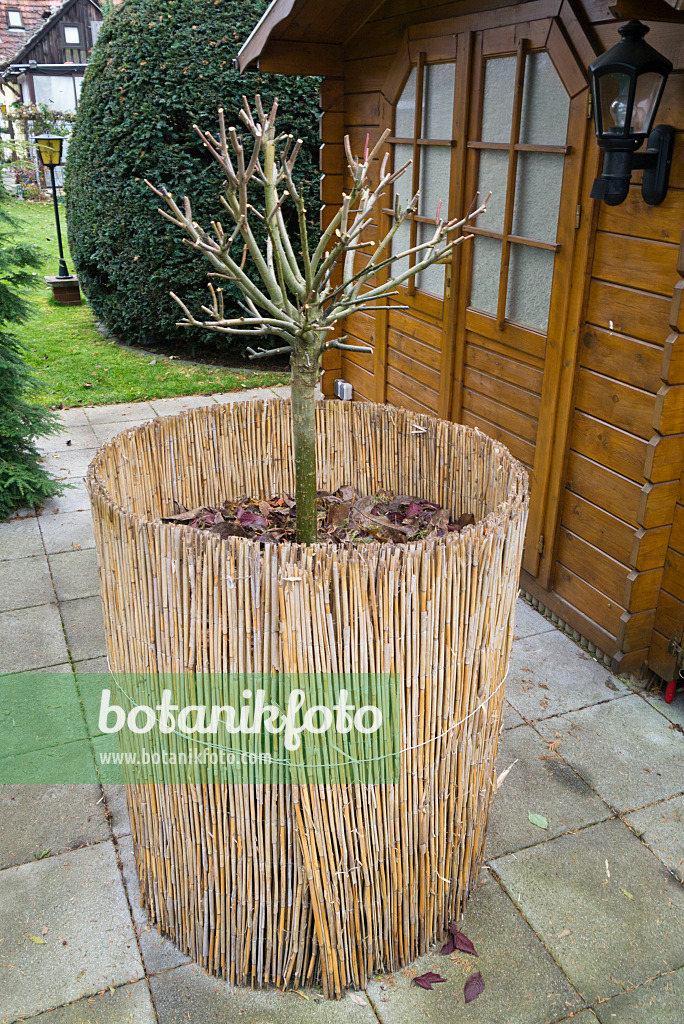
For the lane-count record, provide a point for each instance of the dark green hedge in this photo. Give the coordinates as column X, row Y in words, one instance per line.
column 159, row 67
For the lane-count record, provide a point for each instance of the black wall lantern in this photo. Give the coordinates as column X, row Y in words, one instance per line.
column 627, row 84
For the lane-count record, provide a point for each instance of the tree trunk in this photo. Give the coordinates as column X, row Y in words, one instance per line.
column 303, row 380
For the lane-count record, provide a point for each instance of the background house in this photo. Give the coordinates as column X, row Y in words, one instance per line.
column 44, row 50
column 556, row 329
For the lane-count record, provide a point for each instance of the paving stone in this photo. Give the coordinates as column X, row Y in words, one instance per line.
column 660, row 1001
column 511, row 718
column 550, row 675
column 80, row 436
column 63, row 765
column 70, row 465
column 189, row 994
column 585, row 1017
column 529, row 622
column 120, row 413
column 74, row 499
column 522, row 983
column 159, row 954
column 20, row 538
column 674, row 712
column 75, row 575
column 117, row 806
column 624, row 750
column 25, row 583
column 92, row 677
column 90, row 942
column 36, row 819
column 174, row 406
column 661, row 826
column 73, row 417
column 245, row 395
column 617, row 941
column 130, row 1004
column 548, row 787
column 106, row 431
column 67, row 532
column 39, row 710
column 83, row 628
column 31, row 638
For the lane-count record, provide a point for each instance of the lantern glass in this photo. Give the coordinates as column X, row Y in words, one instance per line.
column 614, row 102
column 649, row 87
column 50, row 149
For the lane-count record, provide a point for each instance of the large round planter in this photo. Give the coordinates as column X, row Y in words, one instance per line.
column 293, row 884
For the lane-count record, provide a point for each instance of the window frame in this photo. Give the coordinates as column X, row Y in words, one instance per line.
column 20, row 26
column 71, row 45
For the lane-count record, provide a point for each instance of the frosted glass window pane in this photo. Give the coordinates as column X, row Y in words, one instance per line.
column 57, row 91
column 537, row 195
column 497, row 108
column 546, row 104
column 404, row 184
column 400, row 242
column 406, row 109
column 432, row 279
column 435, row 162
column 529, row 286
column 438, row 101
column 484, row 285
column 72, row 36
column 493, row 175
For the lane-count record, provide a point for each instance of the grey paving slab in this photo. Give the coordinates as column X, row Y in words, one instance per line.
column 74, row 574
column 529, row 622
column 83, row 628
column 117, row 809
column 624, row 929
column 130, row 1004
column 71, row 438
column 188, row 994
column 90, row 944
column 541, row 783
column 522, row 983
column 25, row 583
column 585, row 1017
column 70, row 465
column 119, row 413
column 106, row 431
column 31, row 638
column 36, row 819
column 91, row 678
column 625, row 750
column 228, row 397
column 67, row 532
column 674, row 712
column 20, row 538
column 66, row 764
column 159, row 954
column 511, row 718
column 39, row 710
column 550, row 675
column 74, row 499
column 174, row 406
column 660, row 1001
column 661, row 826
column 73, row 417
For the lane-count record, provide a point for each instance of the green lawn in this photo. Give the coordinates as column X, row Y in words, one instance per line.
column 78, row 367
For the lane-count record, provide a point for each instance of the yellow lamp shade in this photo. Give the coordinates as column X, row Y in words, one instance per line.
column 50, row 149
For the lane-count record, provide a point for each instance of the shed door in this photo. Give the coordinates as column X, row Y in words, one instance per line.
column 525, row 144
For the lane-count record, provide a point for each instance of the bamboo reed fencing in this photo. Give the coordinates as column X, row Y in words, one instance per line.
column 294, row 884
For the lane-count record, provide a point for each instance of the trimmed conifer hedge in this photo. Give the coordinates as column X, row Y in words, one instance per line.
column 159, row 67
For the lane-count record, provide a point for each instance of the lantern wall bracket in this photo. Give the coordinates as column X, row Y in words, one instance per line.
column 655, row 162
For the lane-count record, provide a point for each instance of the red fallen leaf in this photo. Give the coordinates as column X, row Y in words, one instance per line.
column 462, row 941
column 473, row 987
column 247, row 518
column 449, row 946
column 427, row 980
column 414, row 509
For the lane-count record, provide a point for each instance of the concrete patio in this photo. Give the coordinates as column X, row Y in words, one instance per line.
column 583, row 920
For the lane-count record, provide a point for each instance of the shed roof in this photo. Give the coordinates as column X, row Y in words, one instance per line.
column 43, row 26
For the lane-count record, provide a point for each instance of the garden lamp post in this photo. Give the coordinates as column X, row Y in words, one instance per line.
column 627, row 84
column 50, row 152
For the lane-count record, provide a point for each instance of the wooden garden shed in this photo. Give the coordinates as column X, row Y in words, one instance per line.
column 557, row 329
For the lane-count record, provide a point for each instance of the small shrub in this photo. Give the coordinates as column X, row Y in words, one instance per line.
column 159, row 67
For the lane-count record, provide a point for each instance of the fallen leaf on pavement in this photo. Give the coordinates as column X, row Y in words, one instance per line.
column 37, row 939
column 474, row 987
column 462, row 941
column 427, row 980
column 627, row 894
column 357, row 999
column 538, row 819
column 564, row 934
column 504, row 773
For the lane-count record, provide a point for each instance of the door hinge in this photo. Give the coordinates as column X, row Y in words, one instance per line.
column 578, row 217
column 540, row 546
